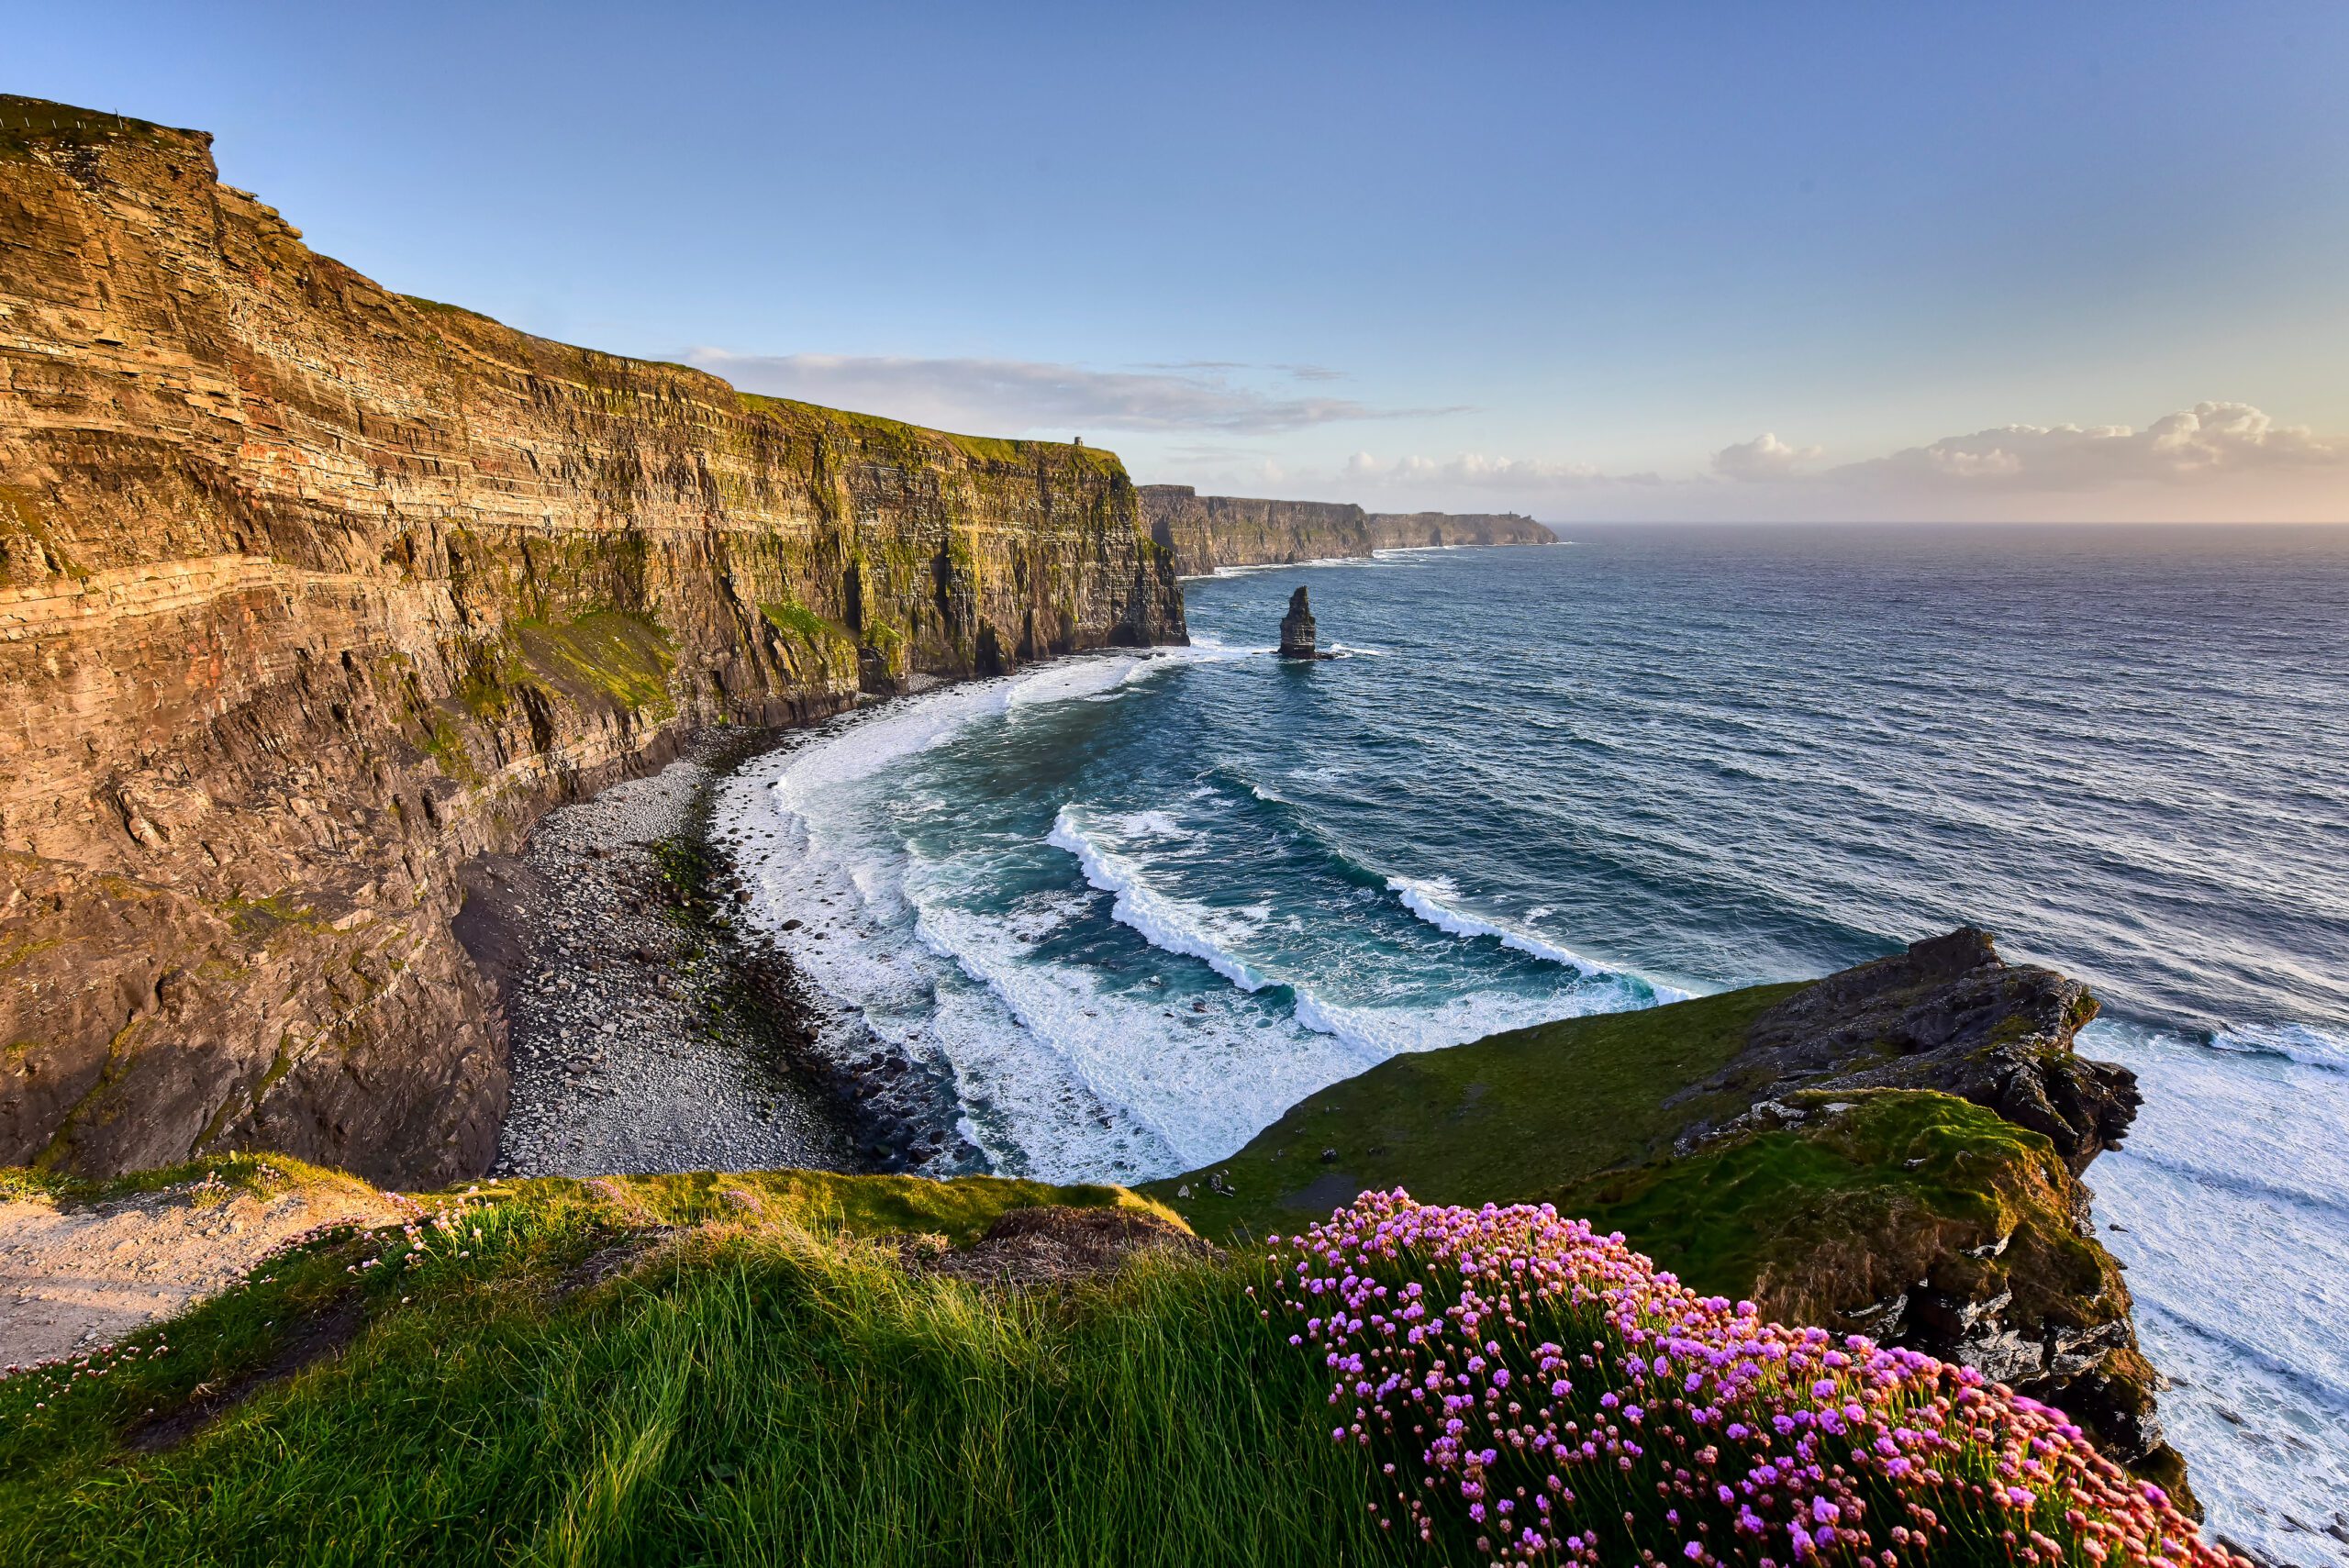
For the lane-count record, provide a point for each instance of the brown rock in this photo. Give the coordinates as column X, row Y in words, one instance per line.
column 310, row 593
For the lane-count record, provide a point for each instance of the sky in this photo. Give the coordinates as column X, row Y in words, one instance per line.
column 2080, row 261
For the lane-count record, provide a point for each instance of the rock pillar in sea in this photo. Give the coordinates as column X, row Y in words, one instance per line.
column 1296, row 628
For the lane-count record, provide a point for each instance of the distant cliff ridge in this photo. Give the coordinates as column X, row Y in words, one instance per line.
column 1206, row 533
column 1398, row 530
column 308, row 592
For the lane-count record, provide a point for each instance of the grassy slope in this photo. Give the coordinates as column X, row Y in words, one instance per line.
column 769, row 1387
column 1516, row 1116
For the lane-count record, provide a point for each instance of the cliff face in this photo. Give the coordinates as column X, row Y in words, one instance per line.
column 1398, row 530
column 1208, row 532
column 309, row 592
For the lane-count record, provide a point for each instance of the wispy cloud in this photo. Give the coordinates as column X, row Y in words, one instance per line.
column 1011, row 396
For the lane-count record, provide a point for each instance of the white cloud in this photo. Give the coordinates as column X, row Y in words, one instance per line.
column 2205, row 443
column 1764, row 457
column 1009, row 397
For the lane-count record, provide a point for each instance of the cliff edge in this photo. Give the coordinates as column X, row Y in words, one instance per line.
column 309, row 592
column 1209, row 533
column 1894, row 1150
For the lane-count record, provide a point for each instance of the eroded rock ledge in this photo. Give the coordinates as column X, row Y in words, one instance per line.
column 309, row 592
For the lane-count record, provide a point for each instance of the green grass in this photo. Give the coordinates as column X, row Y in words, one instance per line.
column 620, row 658
column 1512, row 1117
column 29, row 123
column 772, row 1389
column 265, row 1174
column 1902, row 1182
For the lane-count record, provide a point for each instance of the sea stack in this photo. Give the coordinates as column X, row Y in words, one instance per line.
column 1296, row 629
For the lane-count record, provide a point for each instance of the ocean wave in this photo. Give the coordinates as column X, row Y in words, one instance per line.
column 2304, row 1043
column 1291, row 818
column 1258, row 567
column 1426, row 900
column 1381, row 1032
column 1164, row 923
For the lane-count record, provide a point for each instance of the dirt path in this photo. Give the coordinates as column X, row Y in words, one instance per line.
column 74, row 1277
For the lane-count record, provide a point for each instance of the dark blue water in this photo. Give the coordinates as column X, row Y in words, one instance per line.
column 1137, row 907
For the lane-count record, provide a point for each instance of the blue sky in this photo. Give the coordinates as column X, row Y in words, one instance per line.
column 1586, row 260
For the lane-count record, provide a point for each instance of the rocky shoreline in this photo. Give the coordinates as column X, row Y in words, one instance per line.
column 649, row 1031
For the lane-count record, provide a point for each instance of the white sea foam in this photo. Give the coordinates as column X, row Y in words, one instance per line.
column 1428, row 901
column 2212, row 1222
column 1165, row 923
column 1262, row 566
column 1197, row 1082
column 2304, row 1043
column 1381, row 1032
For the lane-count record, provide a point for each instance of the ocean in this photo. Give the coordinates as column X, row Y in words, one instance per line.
column 1135, row 905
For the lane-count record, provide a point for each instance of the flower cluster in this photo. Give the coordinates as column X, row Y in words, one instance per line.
column 1543, row 1392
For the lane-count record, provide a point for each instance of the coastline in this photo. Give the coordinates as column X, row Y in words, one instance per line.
column 648, row 1031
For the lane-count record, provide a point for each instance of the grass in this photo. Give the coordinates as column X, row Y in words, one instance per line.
column 772, row 1389
column 753, row 1377
column 619, row 658
column 1902, row 1183
column 1512, row 1117
column 29, row 123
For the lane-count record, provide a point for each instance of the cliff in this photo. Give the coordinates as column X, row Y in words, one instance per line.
column 1206, row 533
column 1892, row 1151
column 1209, row 532
column 1401, row 530
column 309, row 592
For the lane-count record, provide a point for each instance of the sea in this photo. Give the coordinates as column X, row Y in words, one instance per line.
column 1133, row 905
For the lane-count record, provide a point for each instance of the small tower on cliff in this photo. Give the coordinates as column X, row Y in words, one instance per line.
column 1296, row 629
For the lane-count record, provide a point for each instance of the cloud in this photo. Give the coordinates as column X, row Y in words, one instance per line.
column 1013, row 395
column 2208, row 442
column 1764, row 457
column 1478, row 472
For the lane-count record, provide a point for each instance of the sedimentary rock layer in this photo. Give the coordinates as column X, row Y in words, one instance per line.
column 1399, row 530
column 309, row 592
column 1209, row 532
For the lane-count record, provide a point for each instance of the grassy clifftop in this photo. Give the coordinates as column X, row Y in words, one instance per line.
column 1849, row 1152
column 790, row 1367
column 778, row 1367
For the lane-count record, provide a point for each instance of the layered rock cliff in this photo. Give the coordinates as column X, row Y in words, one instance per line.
column 1206, row 533
column 309, row 592
column 1402, row 530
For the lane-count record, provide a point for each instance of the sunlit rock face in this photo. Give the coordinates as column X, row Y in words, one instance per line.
column 1212, row 533
column 309, row 591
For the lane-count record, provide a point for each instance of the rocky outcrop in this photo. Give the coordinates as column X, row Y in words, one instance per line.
column 1983, row 1251
column 1298, row 630
column 1894, row 1150
column 1949, row 1014
column 1208, row 533
column 1404, row 530
column 310, row 592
